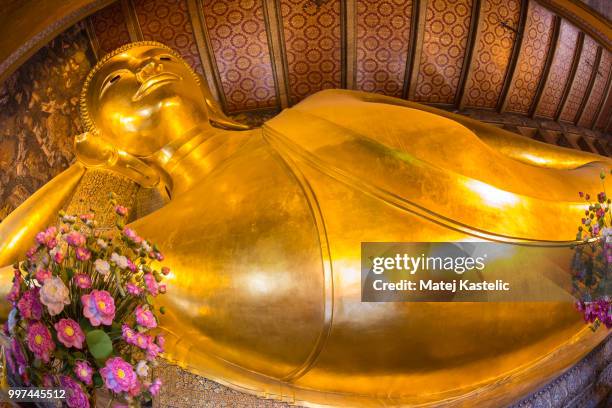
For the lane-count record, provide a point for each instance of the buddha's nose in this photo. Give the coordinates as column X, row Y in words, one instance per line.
column 149, row 69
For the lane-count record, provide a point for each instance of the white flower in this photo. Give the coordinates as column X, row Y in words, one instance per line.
column 119, row 260
column 102, row 267
column 101, row 243
column 54, row 294
column 142, row 369
column 145, row 245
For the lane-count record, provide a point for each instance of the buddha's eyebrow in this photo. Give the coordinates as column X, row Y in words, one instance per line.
column 109, row 80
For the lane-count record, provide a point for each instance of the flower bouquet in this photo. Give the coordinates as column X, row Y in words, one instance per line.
column 592, row 261
column 82, row 312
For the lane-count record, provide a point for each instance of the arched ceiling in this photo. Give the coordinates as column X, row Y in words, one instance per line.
column 505, row 55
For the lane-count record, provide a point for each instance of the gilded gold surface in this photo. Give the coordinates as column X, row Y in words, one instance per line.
column 264, row 226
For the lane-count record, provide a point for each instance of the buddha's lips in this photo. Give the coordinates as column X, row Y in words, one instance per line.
column 153, row 83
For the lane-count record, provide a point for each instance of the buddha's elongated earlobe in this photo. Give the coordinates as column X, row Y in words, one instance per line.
column 94, row 152
column 215, row 113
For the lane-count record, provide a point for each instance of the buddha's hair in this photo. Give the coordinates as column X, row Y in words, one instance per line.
column 88, row 123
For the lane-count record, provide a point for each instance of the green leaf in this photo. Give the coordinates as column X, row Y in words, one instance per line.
column 99, row 344
column 97, row 380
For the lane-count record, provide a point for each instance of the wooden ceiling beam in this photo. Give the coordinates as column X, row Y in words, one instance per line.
column 473, row 38
column 131, row 19
column 274, row 31
column 589, row 89
column 604, row 102
column 416, row 46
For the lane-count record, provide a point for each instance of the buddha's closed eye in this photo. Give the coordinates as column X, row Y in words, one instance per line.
column 109, row 81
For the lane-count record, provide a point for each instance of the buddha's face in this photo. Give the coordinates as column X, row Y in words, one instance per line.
column 144, row 98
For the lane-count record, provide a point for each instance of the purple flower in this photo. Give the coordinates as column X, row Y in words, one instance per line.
column 151, row 284
column 99, row 307
column 152, row 351
column 155, row 387
column 118, row 375
column 83, row 254
column 131, row 265
column 128, row 334
column 40, row 341
column 75, row 396
column 83, row 371
column 15, row 291
column 131, row 235
column 75, row 239
column 82, row 280
column 145, row 318
column 29, row 305
column 69, row 333
column 161, row 341
column 17, row 353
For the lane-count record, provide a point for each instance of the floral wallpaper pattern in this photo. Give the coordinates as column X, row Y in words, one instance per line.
column 39, row 117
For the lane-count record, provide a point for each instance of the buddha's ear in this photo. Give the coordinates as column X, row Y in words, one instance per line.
column 215, row 113
column 94, row 152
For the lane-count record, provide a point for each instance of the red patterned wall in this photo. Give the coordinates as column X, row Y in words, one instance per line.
column 110, row 28
column 581, row 80
column 532, row 57
column 238, row 37
column 168, row 22
column 383, row 32
column 492, row 53
column 598, row 91
column 559, row 71
column 447, row 26
column 312, row 45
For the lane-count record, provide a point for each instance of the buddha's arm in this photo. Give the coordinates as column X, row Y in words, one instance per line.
column 509, row 144
column 17, row 231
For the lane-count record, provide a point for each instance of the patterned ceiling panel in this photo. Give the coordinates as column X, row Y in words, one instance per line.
column 445, row 36
column 492, row 53
column 383, row 32
column 312, row 46
column 597, row 92
column 532, row 57
column 110, row 28
column 168, row 22
column 559, row 71
column 581, row 80
column 238, row 37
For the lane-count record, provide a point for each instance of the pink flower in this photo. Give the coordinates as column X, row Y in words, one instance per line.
column 128, row 334
column 86, row 217
column 145, row 318
column 151, row 284
column 83, row 254
column 135, row 390
column 54, row 294
column 162, row 288
column 29, row 305
column 31, row 252
column 121, row 210
column 47, row 237
column 159, row 256
column 59, row 257
column 142, row 341
column 118, row 375
column 131, row 235
column 133, row 289
column 83, row 371
column 75, row 239
column 155, row 387
column 42, row 275
column 40, row 341
column 99, row 307
column 75, row 397
column 165, row 270
column 82, row 280
column 69, row 333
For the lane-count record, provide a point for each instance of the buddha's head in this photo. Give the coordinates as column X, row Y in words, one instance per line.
column 142, row 97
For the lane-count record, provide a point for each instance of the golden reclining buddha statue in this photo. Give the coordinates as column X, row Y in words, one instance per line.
column 262, row 229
